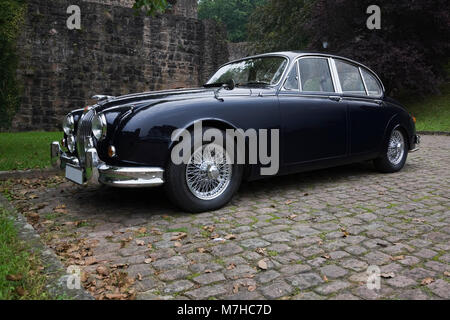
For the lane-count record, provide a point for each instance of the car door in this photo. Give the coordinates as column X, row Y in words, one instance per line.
column 363, row 94
column 313, row 117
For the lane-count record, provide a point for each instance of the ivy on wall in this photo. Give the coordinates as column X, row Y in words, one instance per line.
column 12, row 15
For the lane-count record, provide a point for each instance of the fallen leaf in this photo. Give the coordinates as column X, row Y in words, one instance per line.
column 14, row 277
column 292, row 216
column 90, row 260
column 236, row 288
column 102, row 270
column 326, row 256
column 387, row 275
column 140, row 242
column 325, row 278
column 201, row 250
column 148, row 260
column 289, row 201
column 142, row 230
column 345, row 233
column 427, row 281
column 139, row 277
column 397, row 258
column 230, row 237
column 261, row 251
column 231, row 266
column 84, row 276
column 178, row 244
column 251, row 288
column 33, row 217
column 115, row 296
column 209, row 228
column 262, row 264
column 208, row 271
column 446, row 273
column 20, row 291
column 179, row 236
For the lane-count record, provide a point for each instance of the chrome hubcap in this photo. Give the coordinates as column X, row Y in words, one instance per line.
column 208, row 172
column 396, row 147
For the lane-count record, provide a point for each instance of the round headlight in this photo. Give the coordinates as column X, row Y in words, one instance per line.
column 71, row 143
column 99, row 126
column 68, row 124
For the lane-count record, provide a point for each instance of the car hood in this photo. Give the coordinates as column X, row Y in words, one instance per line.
column 146, row 99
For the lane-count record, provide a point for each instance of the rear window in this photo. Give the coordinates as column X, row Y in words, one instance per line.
column 350, row 78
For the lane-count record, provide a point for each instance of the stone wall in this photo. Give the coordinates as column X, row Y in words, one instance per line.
column 185, row 8
column 115, row 52
column 239, row 50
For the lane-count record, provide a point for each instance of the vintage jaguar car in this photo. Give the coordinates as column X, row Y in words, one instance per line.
column 329, row 111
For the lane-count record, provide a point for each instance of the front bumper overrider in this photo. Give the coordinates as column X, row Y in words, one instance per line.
column 96, row 171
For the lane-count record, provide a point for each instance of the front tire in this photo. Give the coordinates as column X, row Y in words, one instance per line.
column 395, row 153
column 207, row 182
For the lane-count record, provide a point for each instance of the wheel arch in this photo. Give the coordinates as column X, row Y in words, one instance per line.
column 394, row 123
column 212, row 123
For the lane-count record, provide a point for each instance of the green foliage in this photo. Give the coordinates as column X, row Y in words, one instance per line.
column 151, row 7
column 19, row 274
column 432, row 112
column 26, row 150
column 12, row 15
column 279, row 25
column 234, row 14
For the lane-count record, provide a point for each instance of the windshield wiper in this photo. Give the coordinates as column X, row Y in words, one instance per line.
column 214, row 85
column 253, row 83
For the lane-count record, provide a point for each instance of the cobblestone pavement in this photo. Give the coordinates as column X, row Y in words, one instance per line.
column 305, row 236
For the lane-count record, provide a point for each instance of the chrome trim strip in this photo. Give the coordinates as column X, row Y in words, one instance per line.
column 129, row 177
column 364, row 81
column 414, row 150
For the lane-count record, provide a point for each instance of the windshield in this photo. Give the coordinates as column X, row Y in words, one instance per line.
column 262, row 71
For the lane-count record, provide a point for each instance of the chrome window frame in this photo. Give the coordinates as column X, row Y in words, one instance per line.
column 360, row 74
column 267, row 55
column 380, row 86
column 296, row 62
column 283, row 87
column 334, row 75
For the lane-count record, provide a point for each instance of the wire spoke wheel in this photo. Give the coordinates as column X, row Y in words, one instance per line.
column 209, row 172
column 396, row 147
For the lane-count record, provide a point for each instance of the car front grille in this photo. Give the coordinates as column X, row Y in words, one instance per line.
column 84, row 134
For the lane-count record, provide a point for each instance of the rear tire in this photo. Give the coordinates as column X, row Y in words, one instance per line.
column 395, row 153
column 204, row 186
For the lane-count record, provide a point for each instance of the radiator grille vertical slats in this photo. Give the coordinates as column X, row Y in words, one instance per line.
column 84, row 131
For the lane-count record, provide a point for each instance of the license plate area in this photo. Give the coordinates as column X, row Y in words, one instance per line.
column 74, row 174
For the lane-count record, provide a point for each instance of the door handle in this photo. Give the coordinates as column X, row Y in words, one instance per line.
column 335, row 98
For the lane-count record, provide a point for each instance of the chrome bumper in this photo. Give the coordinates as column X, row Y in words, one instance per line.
column 96, row 171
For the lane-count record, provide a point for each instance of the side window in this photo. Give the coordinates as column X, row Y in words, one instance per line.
column 372, row 83
column 292, row 79
column 350, row 78
column 315, row 75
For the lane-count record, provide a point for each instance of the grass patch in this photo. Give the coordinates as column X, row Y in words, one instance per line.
column 183, row 229
column 433, row 112
column 17, row 261
column 26, row 150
